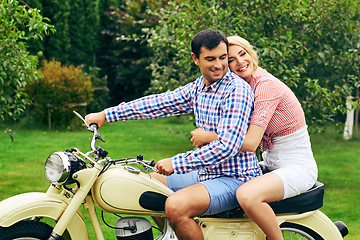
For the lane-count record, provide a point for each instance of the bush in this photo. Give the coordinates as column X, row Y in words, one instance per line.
column 58, row 93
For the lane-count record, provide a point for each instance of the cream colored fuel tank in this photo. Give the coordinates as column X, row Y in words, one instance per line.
column 119, row 189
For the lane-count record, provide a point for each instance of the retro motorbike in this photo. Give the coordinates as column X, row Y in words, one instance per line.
column 118, row 186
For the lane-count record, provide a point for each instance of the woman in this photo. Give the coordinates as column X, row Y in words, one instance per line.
column 278, row 125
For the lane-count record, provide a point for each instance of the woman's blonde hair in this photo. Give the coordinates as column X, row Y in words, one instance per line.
column 236, row 40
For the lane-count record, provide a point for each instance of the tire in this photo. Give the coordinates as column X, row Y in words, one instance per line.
column 26, row 230
column 292, row 231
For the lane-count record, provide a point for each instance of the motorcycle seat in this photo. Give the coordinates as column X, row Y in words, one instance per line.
column 310, row 200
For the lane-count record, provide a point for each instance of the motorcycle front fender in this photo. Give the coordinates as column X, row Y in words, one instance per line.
column 35, row 204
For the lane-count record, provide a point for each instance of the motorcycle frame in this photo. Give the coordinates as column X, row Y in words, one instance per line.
column 69, row 217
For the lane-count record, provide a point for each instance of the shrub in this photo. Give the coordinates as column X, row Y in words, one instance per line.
column 58, row 93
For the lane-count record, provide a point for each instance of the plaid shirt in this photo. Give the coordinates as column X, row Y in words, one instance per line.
column 223, row 107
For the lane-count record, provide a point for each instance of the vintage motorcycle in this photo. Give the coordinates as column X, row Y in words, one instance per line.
column 119, row 187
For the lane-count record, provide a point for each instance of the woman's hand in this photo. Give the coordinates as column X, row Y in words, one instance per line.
column 200, row 137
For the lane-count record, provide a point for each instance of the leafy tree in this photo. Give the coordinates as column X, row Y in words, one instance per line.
column 125, row 63
column 36, row 47
column 83, row 30
column 58, row 46
column 77, row 24
column 18, row 24
column 312, row 46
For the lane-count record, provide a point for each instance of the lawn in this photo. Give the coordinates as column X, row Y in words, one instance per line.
column 339, row 170
column 22, row 161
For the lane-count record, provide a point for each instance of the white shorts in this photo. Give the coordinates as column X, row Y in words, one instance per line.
column 292, row 159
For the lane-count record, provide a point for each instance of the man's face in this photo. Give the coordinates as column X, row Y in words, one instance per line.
column 213, row 63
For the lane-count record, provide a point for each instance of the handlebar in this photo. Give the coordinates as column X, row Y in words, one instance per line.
column 145, row 163
column 93, row 127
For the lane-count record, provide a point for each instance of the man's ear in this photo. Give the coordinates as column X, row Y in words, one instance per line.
column 196, row 60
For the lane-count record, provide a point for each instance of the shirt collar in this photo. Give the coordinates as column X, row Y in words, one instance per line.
column 216, row 84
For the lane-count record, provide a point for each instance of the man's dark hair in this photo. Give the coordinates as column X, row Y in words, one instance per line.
column 209, row 39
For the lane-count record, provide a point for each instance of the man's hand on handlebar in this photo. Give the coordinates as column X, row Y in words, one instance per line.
column 98, row 118
column 165, row 167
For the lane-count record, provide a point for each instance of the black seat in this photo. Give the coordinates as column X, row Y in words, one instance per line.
column 305, row 202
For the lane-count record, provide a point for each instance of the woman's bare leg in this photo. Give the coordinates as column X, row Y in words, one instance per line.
column 253, row 197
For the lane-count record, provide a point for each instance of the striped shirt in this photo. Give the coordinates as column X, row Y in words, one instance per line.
column 276, row 108
column 223, row 107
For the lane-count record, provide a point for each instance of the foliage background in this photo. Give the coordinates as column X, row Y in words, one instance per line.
column 312, row 46
column 18, row 24
column 143, row 47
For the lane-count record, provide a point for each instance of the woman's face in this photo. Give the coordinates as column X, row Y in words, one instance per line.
column 240, row 62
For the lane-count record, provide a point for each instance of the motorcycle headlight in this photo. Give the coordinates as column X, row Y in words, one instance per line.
column 60, row 166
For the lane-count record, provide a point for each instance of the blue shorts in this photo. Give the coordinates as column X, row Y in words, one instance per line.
column 222, row 190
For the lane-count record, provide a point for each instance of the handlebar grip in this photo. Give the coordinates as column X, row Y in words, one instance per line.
column 94, row 125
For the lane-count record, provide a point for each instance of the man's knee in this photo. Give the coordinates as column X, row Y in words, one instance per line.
column 187, row 202
column 174, row 209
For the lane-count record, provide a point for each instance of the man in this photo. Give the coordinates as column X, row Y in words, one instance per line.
column 205, row 180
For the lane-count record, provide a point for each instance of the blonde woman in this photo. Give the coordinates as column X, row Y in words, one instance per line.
column 278, row 125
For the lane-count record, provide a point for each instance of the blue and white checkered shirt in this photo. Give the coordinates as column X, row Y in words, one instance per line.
column 223, row 107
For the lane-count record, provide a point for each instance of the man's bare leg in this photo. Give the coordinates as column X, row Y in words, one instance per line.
column 160, row 222
column 159, row 177
column 182, row 206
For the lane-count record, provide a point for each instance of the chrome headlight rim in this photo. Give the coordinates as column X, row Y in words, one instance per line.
column 60, row 166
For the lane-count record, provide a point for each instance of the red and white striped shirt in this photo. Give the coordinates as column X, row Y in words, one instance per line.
column 276, row 107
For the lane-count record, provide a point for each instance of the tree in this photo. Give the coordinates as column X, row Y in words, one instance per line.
column 312, row 46
column 125, row 63
column 18, row 24
column 58, row 46
column 83, row 30
column 77, row 24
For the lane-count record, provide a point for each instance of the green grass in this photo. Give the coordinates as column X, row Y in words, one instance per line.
column 22, row 161
column 339, row 170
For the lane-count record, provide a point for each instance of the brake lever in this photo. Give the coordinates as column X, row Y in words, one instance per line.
column 99, row 137
column 145, row 164
column 79, row 116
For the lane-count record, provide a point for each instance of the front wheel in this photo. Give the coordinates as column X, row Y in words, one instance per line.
column 292, row 231
column 26, row 230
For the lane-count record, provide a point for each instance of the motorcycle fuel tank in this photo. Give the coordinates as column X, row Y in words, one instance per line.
column 127, row 190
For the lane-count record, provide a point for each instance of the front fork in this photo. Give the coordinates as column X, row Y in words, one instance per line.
column 86, row 179
column 90, row 207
